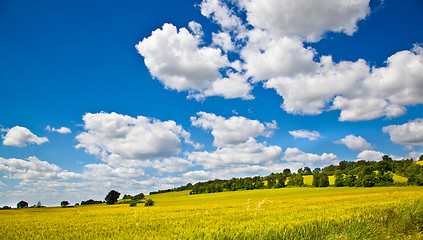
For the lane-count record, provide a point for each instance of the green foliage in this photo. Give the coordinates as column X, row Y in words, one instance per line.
column 138, row 196
column 90, row 201
column 339, row 179
column 346, row 174
column 320, row 179
column 307, row 171
column 323, row 180
column 22, row 204
column 368, row 180
column 133, row 204
column 127, row 196
column 149, row 202
column 64, row 204
column 287, row 172
column 296, row 179
column 112, row 197
column 350, row 180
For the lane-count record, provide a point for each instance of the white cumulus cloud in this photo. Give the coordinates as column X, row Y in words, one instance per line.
column 309, row 159
column 311, row 135
column 20, row 136
column 184, row 65
column 370, row 155
column 409, row 134
column 62, row 130
column 123, row 140
column 229, row 157
column 231, row 131
column 306, row 19
column 355, row 143
column 33, row 168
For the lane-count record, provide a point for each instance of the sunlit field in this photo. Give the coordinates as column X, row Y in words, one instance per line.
column 286, row 213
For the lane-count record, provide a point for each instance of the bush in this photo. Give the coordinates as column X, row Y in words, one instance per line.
column 138, row 196
column 133, row 204
column 149, row 202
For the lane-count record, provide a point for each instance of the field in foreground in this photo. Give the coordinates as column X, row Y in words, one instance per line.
column 287, row 213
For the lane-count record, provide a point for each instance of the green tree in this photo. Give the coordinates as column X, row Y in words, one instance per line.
column 339, row 179
column 385, row 178
column 64, row 204
column 22, row 204
column 281, row 181
column 307, row 171
column 384, row 166
column 296, row 179
column 350, row 180
column 287, row 172
column 139, row 196
column 317, row 170
column 112, row 197
column 315, row 182
column 323, row 180
column 368, row 180
column 149, row 202
column 127, row 196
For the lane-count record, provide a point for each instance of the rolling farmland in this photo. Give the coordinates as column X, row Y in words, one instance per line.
column 286, row 213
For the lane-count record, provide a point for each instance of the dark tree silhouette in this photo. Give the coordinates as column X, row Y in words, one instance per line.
column 112, row 197
column 64, row 204
column 22, row 204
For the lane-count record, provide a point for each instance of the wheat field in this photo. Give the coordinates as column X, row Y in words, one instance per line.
column 287, row 213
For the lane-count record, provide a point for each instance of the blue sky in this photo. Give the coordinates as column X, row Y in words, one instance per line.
column 140, row 96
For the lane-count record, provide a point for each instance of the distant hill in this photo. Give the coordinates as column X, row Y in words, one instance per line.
column 353, row 174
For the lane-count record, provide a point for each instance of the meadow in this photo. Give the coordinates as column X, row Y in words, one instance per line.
column 285, row 213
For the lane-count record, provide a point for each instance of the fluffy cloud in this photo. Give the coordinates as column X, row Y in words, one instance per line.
column 123, row 140
column 184, row 65
column 309, row 20
column 234, row 86
column 311, row 135
column 270, row 46
column 171, row 165
column 310, row 94
column 33, row 168
column 387, row 89
column 20, row 136
column 401, row 81
column 224, row 41
column 247, row 153
column 221, row 14
column 240, row 171
column 232, row 131
column 270, row 58
column 62, row 130
column 409, row 134
column 309, row 159
column 370, row 155
column 354, row 142
column 238, row 152
column 359, row 109
column 103, row 172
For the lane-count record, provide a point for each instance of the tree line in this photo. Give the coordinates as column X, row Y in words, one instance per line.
column 110, row 199
column 352, row 174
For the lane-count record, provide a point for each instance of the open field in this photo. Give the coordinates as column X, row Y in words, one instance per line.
column 286, row 213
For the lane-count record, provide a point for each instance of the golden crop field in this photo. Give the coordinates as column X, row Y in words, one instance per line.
column 286, row 213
